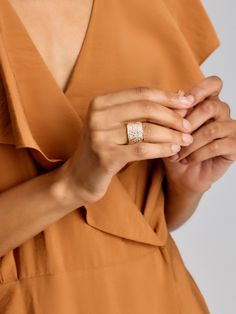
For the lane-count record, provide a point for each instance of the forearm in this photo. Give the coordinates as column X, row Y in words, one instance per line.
column 28, row 208
column 180, row 204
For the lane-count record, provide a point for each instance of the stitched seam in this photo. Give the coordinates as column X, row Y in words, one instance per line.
column 79, row 271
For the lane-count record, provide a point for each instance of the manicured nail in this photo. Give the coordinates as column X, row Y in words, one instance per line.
column 187, row 125
column 190, row 98
column 174, row 157
column 175, row 148
column 187, row 138
column 181, row 92
column 186, row 100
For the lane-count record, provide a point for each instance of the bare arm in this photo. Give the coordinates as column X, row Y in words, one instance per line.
column 180, row 205
column 195, row 168
column 30, row 207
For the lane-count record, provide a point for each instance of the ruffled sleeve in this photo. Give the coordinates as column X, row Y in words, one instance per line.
column 159, row 44
column 193, row 21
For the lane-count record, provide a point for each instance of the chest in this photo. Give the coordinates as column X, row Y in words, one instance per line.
column 57, row 29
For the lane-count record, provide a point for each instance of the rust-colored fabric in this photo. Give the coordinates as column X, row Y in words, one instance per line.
column 116, row 255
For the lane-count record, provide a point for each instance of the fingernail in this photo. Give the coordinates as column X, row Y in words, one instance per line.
column 186, row 100
column 190, row 98
column 175, row 148
column 181, row 92
column 174, row 157
column 187, row 138
column 187, row 125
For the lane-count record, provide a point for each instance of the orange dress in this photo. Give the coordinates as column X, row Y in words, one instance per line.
column 115, row 256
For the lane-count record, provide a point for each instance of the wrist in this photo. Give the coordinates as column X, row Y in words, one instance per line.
column 80, row 188
column 65, row 191
column 181, row 190
column 181, row 186
column 180, row 204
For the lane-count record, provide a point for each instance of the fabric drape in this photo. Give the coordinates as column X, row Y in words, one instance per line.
column 115, row 255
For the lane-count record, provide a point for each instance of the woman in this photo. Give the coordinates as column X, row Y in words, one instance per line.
column 89, row 197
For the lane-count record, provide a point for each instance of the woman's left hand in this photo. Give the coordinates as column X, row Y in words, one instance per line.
column 213, row 150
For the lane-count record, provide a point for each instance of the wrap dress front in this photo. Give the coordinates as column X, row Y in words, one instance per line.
column 115, row 256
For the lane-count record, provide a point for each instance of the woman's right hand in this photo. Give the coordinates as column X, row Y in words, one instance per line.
column 102, row 150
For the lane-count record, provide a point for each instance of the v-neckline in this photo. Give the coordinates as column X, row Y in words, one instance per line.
column 76, row 65
column 46, row 120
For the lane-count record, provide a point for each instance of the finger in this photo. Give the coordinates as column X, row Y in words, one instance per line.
column 225, row 148
column 209, row 87
column 116, row 116
column 152, row 133
column 181, row 92
column 142, row 151
column 183, row 112
column 206, row 110
column 168, row 99
column 205, row 135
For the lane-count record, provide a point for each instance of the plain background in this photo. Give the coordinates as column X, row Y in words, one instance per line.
column 208, row 240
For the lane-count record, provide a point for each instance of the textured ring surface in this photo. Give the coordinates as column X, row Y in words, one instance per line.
column 134, row 132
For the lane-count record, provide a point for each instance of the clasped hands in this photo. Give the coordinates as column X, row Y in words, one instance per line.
column 192, row 134
column 213, row 149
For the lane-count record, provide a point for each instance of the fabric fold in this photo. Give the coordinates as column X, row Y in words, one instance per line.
column 48, row 122
column 120, row 243
column 192, row 20
column 41, row 116
column 123, row 219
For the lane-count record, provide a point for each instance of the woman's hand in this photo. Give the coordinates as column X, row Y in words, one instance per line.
column 213, row 150
column 102, row 151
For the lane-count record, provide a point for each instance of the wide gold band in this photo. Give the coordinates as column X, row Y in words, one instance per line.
column 134, row 132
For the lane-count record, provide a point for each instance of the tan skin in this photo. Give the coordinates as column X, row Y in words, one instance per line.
column 59, row 46
column 102, row 152
column 195, row 168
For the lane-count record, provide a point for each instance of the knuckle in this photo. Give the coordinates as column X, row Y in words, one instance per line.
column 94, row 122
column 217, row 81
column 227, row 108
column 96, row 103
column 140, row 150
column 99, row 102
column 215, row 147
column 212, row 131
column 209, row 107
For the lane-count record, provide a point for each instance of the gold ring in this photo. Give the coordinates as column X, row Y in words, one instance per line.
column 134, row 132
